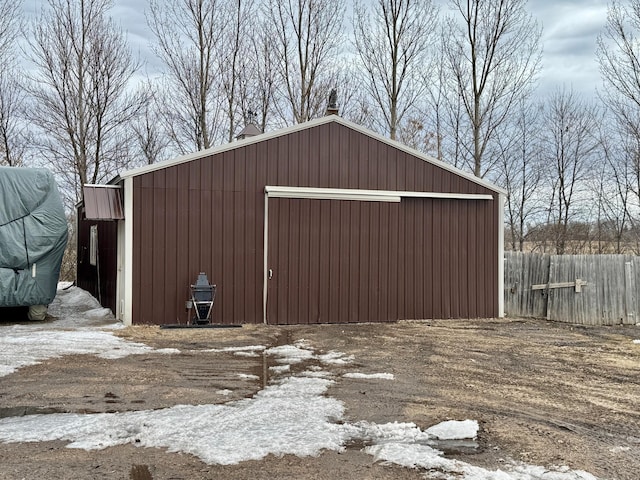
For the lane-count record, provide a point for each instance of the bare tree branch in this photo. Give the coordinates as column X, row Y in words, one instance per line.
column 571, row 146
column 392, row 43
column 80, row 87
column 188, row 37
column 309, row 35
column 520, row 171
column 14, row 136
column 493, row 52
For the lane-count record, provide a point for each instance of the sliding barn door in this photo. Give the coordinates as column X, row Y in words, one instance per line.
column 332, row 261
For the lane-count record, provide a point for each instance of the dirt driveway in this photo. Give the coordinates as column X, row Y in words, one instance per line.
column 544, row 394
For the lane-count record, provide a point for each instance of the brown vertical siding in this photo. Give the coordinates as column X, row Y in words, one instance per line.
column 366, row 272
column 103, row 288
column 334, row 261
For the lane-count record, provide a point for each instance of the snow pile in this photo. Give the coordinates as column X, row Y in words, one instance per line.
column 636, row 341
column 74, row 307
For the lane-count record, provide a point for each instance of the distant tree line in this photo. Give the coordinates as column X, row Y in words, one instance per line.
column 458, row 83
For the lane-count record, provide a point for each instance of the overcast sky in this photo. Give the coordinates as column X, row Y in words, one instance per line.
column 570, row 31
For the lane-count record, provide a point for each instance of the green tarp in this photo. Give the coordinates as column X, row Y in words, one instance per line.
column 33, row 236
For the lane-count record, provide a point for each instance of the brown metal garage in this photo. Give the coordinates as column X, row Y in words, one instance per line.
column 322, row 222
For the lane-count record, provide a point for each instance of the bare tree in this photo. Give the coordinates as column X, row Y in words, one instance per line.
column 618, row 54
column 445, row 111
column 570, row 148
column 150, row 140
column 233, row 55
column 13, row 132
column 617, row 206
column 188, row 37
column 308, row 34
column 435, row 83
column 392, row 42
column 10, row 23
column 257, row 77
column 521, row 170
column 618, row 51
column 80, row 86
column 493, row 52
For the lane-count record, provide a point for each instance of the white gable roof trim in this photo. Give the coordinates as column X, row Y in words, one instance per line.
column 303, row 126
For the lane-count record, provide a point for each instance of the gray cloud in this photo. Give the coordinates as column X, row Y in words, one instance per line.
column 571, row 29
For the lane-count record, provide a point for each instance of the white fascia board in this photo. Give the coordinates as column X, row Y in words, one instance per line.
column 363, row 195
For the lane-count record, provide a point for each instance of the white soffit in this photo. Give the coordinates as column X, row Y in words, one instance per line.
column 363, row 195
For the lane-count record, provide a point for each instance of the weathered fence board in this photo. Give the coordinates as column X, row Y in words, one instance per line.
column 521, row 271
column 582, row 289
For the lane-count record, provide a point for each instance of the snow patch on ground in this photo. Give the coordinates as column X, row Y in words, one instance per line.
column 383, row 376
column 290, row 353
column 22, row 345
column 430, row 459
column 81, row 327
column 291, row 417
column 335, row 358
column 279, row 369
column 455, row 430
column 245, row 349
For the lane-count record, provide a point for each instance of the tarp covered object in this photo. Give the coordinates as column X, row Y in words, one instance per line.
column 33, row 236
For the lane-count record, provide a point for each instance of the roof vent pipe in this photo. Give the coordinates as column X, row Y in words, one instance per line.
column 332, row 105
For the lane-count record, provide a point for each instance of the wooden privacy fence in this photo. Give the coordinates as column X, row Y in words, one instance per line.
column 582, row 289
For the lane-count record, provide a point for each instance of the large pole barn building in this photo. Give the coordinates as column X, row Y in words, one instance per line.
column 322, row 222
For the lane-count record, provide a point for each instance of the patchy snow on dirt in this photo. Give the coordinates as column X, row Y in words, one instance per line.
column 383, row 376
column 248, row 350
column 455, row 430
column 415, row 455
column 82, row 328
column 335, row 358
column 292, row 415
column 21, row 346
column 291, row 354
